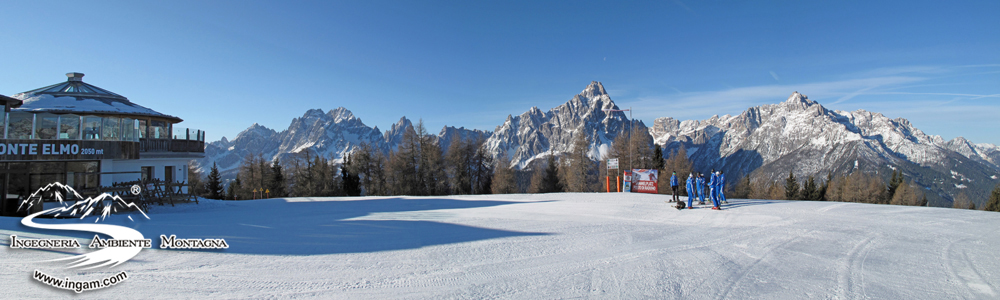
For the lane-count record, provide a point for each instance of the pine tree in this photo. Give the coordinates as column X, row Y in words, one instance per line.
column 277, row 183
column 234, row 186
column 994, row 202
column 351, row 181
column 550, row 183
column 431, row 167
column 809, row 191
column 897, row 179
column 791, row 187
column 214, row 185
column 459, row 165
column 482, row 167
column 658, row 160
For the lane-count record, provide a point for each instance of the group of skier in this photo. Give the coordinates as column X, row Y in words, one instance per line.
column 696, row 187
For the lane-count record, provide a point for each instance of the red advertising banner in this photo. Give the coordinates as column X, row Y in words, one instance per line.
column 644, row 181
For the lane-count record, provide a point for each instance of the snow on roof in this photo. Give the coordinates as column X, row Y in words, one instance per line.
column 68, row 104
column 76, row 96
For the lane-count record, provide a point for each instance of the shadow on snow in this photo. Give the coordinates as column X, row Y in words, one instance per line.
column 280, row 227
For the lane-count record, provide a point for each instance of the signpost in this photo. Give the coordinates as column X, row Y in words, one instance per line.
column 612, row 165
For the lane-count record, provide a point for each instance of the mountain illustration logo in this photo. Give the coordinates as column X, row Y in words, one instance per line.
column 99, row 207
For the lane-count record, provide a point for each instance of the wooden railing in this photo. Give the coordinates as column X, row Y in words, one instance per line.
column 170, row 145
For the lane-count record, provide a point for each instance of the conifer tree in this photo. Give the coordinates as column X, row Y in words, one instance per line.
column 825, row 187
column 897, row 179
column 550, row 183
column 351, row 181
column 277, row 185
column 993, row 204
column 809, row 191
column 791, row 187
column 459, row 165
column 214, row 184
column 234, row 186
column 482, row 168
column 658, row 160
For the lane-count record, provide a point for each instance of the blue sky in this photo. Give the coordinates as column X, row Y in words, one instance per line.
column 224, row 65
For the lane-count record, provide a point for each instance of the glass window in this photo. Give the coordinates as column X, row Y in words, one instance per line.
column 147, row 173
column 84, row 174
column 112, row 129
column 3, row 125
column 45, row 127
column 142, row 129
column 91, row 128
column 129, row 130
column 69, row 127
column 20, row 125
column 158, row 129
column 180, row 133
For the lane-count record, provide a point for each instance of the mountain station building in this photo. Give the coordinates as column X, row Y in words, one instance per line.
column 85, row 137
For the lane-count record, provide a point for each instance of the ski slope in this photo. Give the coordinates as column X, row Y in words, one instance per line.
column 605, row 246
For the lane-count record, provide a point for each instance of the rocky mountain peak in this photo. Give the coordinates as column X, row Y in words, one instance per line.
column 341, row 114
column 798, row 101
column 595, row 89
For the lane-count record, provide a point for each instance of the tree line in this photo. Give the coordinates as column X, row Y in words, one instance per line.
column 421, row 166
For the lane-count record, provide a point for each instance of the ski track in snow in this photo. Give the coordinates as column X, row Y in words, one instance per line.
column 607, row 246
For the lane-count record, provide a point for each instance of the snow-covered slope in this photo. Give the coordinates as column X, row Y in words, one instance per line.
column 802, row 136
column 536, row 134
column 546, row 246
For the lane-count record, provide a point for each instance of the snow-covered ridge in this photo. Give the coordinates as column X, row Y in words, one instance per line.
column 332, row 134
column 802, row 136
column 536, row 134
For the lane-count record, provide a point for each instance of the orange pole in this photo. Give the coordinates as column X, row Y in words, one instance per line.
column 618, row 181
column 607, row 183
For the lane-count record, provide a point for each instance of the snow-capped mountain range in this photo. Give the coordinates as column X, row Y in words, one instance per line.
column 802, row 136
column 333, row 135
column 797, row 135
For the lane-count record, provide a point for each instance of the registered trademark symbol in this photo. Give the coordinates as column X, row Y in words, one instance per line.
column 136, row 189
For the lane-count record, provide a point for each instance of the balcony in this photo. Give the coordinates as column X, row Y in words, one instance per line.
column 182, row 140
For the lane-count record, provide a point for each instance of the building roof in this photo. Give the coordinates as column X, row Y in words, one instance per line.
column 76, row 96
column 10, row 101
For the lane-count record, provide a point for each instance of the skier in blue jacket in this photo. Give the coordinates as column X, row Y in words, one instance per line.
column 690, row 189
column 700, row 182
column 673, row 186
column 713, row 185
column 722, row 187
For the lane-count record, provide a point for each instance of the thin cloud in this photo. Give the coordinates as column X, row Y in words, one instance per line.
column 735, row 100
column 775, row 75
